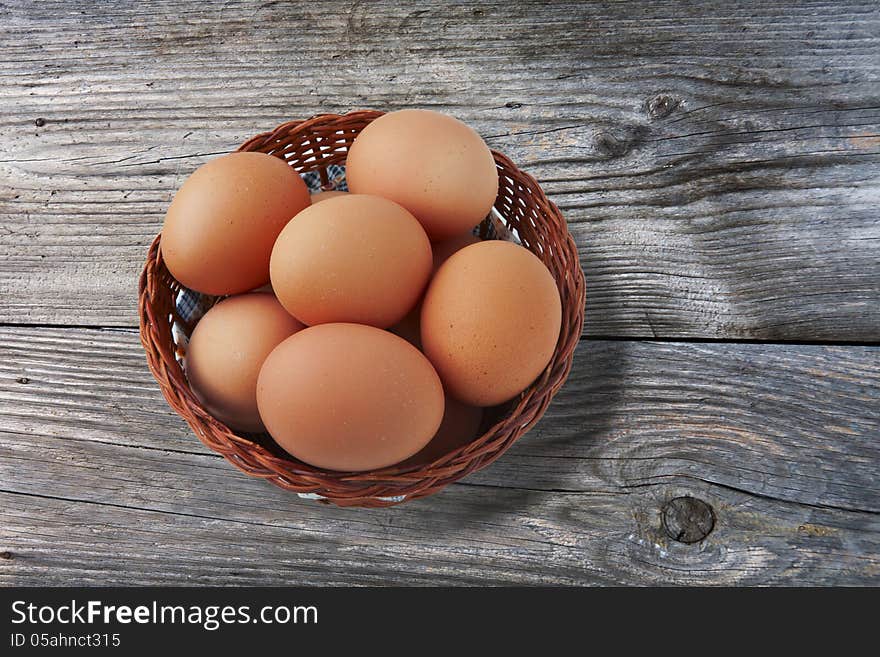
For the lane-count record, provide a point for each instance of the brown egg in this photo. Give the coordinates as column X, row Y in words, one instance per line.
column 460, row 426
column 227, row 350
column 442, row 250
column 352, row 258
column 222, row 223
column 317, row 197
column 349, row 397
column 434, row 165
column 490, row 321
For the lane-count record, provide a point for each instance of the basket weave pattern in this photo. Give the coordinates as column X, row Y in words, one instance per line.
column 313, row 145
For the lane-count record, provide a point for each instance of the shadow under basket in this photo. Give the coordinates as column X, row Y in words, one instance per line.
column 313, row 146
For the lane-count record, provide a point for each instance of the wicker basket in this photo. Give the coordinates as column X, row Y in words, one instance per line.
column 314, row 145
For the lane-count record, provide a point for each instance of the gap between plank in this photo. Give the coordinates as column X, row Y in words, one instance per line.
column 118, row 328
column 597, row 338
column 707, row 340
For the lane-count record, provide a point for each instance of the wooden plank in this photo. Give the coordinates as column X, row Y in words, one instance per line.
column 780, row 440
column 792, row 422
column 86, row 384
column 718, row 166
column 460, row 538
column 795, row 422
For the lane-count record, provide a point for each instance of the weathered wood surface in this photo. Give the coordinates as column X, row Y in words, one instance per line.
column 718, row 163
column 101, row 482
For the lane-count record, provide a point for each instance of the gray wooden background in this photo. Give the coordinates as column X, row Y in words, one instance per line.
column 718, row 165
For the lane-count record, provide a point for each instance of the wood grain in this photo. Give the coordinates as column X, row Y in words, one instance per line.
column 718, row 165
column 101, row 483
column 510, row 537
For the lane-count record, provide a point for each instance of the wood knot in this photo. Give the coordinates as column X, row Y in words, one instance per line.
column 40, row 122
column 6, row 555
column 661, row 106
column 512, row 105
column 687, row 519
column 612, row 146
column 23, row 379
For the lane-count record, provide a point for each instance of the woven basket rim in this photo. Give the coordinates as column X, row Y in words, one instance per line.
column 314, row 144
